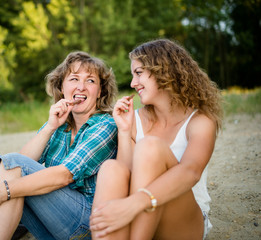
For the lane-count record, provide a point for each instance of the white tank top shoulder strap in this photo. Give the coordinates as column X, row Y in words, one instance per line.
column 182, row 131
column 188, row 119
column 139, row 129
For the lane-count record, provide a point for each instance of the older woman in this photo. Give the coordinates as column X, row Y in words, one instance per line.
column 173, row 137
column 55, row 199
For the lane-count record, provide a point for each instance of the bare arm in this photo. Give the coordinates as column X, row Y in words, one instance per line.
column 35, row 147
column 41, row 182
column 123, row 114
column 201, row 134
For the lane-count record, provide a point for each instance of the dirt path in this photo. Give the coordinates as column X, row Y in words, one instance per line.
column 234, row 178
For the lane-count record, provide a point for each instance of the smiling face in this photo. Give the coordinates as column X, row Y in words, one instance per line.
column 144, row 83
column 84, row 85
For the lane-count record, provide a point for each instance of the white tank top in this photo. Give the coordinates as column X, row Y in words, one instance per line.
column 178, row 148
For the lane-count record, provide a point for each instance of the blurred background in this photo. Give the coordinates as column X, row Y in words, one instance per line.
column 224, row 36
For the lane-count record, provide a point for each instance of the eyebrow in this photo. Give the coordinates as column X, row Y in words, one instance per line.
column 76, row 74
column 135, row 70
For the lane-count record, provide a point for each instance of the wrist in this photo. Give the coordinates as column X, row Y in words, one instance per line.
column 153, row 200
column 49, row 129
column 142, row 201
column 124, row 134
column 3, row 193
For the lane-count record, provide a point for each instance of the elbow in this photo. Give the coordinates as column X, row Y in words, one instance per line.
column 195, row 176
column 66, row 181
column 66, row 177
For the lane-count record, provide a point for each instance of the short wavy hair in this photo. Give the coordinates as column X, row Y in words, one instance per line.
column 176, row 72
column 92, row 64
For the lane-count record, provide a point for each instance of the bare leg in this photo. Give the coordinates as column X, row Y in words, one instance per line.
column 179, row 219
column 11, row 211
column 112, row 183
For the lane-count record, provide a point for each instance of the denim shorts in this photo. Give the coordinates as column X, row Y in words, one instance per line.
column 61, row 214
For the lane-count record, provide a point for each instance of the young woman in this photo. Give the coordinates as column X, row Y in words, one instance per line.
column 55, row 200
column 157, row 188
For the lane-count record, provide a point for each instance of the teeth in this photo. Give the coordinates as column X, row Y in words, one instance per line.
column 140, row 90
column 80, row 96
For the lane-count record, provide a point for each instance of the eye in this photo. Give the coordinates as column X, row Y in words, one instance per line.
column 138, row 71
column 73, row 79
column 89, row 80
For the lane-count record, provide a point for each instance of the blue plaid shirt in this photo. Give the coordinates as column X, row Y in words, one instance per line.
column 95, row 142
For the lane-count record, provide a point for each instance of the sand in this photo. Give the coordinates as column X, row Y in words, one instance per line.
column 234, row 177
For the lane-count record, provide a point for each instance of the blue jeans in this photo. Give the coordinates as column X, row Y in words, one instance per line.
column 61, row 214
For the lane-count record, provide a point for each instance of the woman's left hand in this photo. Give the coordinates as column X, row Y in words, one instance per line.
column 111, row 216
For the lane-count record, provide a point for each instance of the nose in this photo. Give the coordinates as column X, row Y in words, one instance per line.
column 81, row 85
column 134, row 82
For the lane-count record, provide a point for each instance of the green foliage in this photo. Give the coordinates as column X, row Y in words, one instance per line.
column 32, row 22
column 36, row 35
column 7, row 62
column 121, row 67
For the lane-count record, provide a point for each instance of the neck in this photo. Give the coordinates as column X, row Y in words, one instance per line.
column 171, row 116
column 79, row 120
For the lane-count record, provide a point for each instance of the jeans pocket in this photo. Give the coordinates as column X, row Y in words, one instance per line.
column 81, row 233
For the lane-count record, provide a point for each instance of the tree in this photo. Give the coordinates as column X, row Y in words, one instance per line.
column 246, row 44
column 208, row 37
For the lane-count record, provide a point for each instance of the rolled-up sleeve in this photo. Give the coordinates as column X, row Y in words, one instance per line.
column 98, row 144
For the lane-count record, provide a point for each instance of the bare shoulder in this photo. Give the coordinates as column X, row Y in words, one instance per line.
column 200, row 124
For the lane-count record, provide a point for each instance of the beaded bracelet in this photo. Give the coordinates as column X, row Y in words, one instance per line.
column 152, row 199
column 8, row 190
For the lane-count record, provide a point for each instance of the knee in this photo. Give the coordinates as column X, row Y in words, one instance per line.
column 150, row 147
column 154, row 151
column 11, row 156
column 151, row 143
column 114, row 168
column 7, row 170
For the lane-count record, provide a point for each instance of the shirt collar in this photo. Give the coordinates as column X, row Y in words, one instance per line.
column 95, row 118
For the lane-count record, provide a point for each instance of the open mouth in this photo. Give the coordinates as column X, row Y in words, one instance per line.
column 79, row 97
column 140, row 90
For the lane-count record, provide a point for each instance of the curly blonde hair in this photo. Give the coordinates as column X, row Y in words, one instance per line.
column 176, row 72
column 54, row 80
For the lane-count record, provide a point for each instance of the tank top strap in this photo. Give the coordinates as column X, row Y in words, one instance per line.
column 139, row 129
column 188, row 119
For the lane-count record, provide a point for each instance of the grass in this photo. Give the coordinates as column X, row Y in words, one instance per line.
column 30, row 116
column 21, row 117
column 237, row 100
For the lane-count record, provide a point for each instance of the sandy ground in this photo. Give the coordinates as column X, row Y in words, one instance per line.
column 234, row 178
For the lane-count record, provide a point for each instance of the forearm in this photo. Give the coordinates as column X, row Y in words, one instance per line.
column 41, row 182
column 172, row 184
column 35, row 147
column 125, row 149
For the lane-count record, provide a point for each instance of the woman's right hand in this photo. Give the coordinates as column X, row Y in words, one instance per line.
column 111, row 216
column 123, row 114
column 58, row 113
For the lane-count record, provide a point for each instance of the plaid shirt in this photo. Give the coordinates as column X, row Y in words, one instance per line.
column 95, row 142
